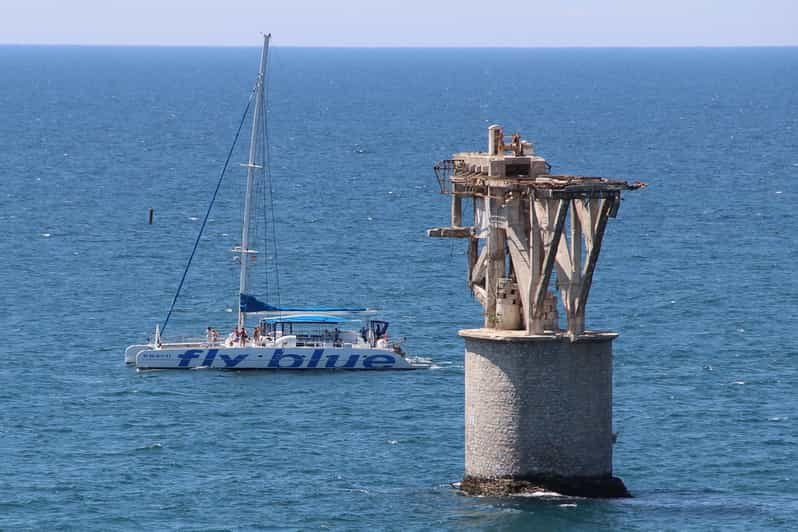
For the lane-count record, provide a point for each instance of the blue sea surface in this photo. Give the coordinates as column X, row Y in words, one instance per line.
column 697, row 273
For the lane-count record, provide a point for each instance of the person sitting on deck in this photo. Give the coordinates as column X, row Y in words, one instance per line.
column 382, row 341
column 233, row 338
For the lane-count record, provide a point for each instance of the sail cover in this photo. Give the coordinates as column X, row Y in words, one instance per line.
column 250, row 303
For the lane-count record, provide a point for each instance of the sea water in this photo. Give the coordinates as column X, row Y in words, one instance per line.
column 697, row 273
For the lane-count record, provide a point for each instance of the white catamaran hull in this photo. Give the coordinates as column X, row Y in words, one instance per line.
column 271, row 358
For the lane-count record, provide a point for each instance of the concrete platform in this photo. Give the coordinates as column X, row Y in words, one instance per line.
column 522, row 336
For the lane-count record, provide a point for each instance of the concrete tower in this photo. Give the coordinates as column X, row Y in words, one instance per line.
column 538, row 398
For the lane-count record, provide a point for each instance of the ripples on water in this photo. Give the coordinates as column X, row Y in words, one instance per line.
column 696, row 273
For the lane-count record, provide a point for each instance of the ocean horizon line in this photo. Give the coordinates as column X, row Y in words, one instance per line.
column 404, row 47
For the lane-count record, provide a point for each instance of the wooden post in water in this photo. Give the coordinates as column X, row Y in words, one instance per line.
column 538, row 398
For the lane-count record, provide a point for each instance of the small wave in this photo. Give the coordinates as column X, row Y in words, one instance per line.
column 151, row 447
column 436, row 364
column 393, row 442
column 568, row 505
column 442, row 364
column 119, row 393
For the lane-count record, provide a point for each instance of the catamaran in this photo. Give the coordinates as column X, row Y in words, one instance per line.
column 285, row 337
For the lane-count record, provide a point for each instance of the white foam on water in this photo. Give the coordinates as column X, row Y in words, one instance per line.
column 539, row 494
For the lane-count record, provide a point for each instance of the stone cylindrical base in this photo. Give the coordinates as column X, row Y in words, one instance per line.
column 601, row 487
column 538, row 414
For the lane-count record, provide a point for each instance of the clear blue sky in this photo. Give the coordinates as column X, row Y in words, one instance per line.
column 402, row 23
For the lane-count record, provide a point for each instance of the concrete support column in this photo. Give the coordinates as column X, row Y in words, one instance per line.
column 538, row 414
column 457, row 211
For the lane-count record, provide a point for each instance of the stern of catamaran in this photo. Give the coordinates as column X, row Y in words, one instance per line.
column 133, row 350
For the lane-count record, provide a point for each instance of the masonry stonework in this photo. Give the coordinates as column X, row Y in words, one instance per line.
column 538, row 410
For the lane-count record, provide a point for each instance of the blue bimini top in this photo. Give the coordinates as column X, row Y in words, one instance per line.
column 304, row 318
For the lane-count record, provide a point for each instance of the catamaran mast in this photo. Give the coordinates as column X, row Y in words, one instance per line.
column 252, row 167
